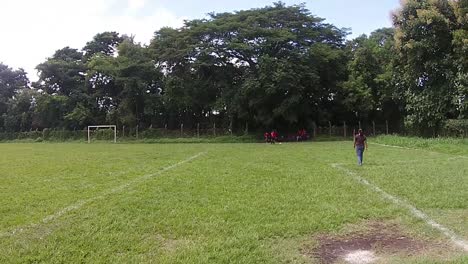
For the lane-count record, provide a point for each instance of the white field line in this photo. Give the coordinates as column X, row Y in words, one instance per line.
column 403, row 162
column 456, row 239
column 458, row 157
column 82, row 203
column 390, row 146
column 399, row 147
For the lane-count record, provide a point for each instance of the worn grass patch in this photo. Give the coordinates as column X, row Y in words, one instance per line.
column 377, row 242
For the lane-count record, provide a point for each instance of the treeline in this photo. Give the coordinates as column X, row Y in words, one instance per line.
column 274, row 67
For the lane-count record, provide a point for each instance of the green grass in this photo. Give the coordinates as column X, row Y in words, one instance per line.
column 446, row 145
column 237, row 203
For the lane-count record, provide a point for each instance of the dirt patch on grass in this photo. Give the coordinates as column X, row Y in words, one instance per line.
column 372, row 243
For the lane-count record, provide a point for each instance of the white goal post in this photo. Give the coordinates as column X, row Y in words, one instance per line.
column 102, row 126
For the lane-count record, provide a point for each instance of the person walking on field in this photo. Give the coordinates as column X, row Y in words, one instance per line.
column 360, row 144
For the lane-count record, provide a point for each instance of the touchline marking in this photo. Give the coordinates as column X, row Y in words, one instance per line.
column 82, row 203
column 390, row 146
column 404, row 162
column 456, row 240
column 458, row 157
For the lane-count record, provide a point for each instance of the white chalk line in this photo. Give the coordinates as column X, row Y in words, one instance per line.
column 402, row 162
column 82, row 203
column 456, row 239
column 390, row 146
column 435, row 152
column 406, row 162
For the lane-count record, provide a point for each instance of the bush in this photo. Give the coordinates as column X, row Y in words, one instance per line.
column 102, row 134
column 456, row 127
column 29, row 135
column 45, row 133
column 151, row 133
column 7, row 136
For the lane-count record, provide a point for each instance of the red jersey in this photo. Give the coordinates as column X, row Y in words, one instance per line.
column 360, row 139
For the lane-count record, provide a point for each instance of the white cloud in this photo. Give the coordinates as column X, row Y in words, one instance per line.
column 32, row 30
column 136, row 4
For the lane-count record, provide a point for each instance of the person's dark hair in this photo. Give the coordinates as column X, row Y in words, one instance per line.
column 360, row 131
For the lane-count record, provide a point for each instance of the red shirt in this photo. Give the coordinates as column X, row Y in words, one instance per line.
column 360, row 139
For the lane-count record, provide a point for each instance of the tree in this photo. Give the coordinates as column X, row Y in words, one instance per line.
column 105, row 43
column 370, row 90
column 20, row 110
column 273, row 67
column 63, row 73
column 11, row 82
column 284, row 65
column 80, row 116
column 50, row 111
column 424, row 43
column 460, row 43
column 126, row 87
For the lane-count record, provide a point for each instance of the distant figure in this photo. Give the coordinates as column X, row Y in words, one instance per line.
column 302, row 135
column 299, row 135
column 274, row 137
column 360, row 144
column 267, row 137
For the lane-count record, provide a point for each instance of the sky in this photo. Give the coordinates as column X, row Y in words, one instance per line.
column 32, row 30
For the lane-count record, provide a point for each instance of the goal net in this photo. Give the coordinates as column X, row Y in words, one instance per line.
column 102, row 132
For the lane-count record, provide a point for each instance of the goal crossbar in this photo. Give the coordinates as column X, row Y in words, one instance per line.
column 114, row 127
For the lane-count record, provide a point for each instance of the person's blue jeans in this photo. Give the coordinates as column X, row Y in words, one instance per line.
column 360, row 154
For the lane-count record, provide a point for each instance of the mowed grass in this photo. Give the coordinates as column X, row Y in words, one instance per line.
column 235, row 203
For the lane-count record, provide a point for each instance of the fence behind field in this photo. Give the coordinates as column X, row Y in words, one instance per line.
column 326, row 129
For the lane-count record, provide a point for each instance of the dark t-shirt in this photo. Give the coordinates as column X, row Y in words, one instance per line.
column 360, row 139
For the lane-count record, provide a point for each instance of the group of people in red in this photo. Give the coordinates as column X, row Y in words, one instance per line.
column 273, row 136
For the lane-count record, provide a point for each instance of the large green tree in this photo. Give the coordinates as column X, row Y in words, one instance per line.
column 460, row 43
column 11, row 82
column 370, row 89
column 63, row 75
column 284, row 65
column 424, row 43
column 105, row 43
column 126, row 87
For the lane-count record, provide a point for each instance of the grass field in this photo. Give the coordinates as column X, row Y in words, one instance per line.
column 219, row 203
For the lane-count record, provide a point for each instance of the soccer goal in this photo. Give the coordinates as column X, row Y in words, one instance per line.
column 93, row 128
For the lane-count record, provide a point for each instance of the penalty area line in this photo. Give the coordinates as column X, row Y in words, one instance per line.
column 84, row 202
column 456, row 239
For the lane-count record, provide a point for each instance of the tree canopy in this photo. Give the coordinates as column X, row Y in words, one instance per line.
column 273, row 67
